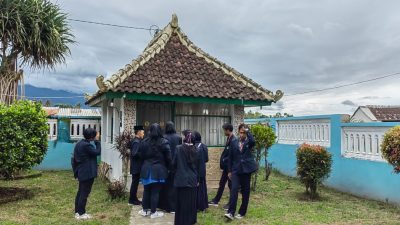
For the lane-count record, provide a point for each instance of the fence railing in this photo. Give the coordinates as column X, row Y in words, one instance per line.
column 312, row 131
column 363, row 142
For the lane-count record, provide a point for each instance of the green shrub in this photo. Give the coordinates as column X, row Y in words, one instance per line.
column 116, row 189
column 23, row 136
column 313, row 166
column 265, row 137
column 391, row 148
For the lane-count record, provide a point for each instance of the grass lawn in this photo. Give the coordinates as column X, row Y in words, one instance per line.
column 49, row 200
column 281, row 200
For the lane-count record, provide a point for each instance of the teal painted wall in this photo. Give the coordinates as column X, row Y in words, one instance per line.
column 58, row 156
column 364, row 178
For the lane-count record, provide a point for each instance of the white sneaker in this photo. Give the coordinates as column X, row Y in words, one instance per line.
column 229, row 216
column 77, row 216
column 84, row 217
column 157, row 214
column 144, row 212
column 172, row 212
column 239, row 217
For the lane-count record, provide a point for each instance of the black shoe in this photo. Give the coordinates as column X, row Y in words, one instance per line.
column 135, row 202
column 213, row 203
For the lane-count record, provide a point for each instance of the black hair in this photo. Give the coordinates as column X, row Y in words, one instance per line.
column 242, row 125
column 170, row 128
column 186, row 132
column 89, row 133
column 227, row 126
column 155, row 132
column 190, row 150
column 197, row 137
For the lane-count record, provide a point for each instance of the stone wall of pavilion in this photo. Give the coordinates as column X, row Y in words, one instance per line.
column 237, row 117
column 129, row 114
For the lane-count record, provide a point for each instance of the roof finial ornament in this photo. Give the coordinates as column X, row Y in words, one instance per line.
column 174, row 21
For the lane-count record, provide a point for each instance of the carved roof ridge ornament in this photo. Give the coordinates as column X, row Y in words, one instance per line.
column 158, row 43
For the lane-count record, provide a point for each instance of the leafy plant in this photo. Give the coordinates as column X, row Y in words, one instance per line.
column 116, row 189
column 313, row 166
column 122, row 144
column 391, row 148
column 23, row 136
column 265, row 138
column 34, row 31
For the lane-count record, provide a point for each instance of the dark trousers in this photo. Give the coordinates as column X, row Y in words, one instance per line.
column 150, row 196
column 222, row 183
column 134, row 188
column 240, row 182
column 81, row 197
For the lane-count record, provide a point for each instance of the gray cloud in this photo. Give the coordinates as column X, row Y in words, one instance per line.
column 348, row 103
column 294, row 46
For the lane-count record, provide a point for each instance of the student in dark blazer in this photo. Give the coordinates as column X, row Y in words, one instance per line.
column 231, row 143
column 135, row 165
column 241, row 164
column 186, row 164
column 156, row 157
column 85, row 156
column 202, row 197
column 168, row 193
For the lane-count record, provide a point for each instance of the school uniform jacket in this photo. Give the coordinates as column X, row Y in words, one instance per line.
column 186, row 174
column 242, row 161
column 156, row 159
column 136, row 163
column 85, row 155
column 231, row 144
column 174, row 140
column 203, row 158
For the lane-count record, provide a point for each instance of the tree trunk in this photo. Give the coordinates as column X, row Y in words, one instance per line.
column 9, row 81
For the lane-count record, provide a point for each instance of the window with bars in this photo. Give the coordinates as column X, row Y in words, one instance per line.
column 205, row 118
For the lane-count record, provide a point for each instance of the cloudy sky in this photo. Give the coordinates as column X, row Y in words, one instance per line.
column 295, row 46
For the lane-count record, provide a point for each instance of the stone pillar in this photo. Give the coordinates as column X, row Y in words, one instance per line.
column 237, row 117
column 129, row 118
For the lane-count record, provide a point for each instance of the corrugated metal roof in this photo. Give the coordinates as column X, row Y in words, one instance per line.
column 72, row 112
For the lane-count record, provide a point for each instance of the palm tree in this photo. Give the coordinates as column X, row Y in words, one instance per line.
column 36, row 33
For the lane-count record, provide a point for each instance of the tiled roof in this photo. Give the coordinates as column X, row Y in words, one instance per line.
column 385, row 113
column 72, row 112
column 51, row 111
column 172, row 65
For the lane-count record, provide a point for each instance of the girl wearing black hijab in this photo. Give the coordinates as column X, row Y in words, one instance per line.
column 168, row 193
column 156, row 155
column 186, row 165
column 202, row 197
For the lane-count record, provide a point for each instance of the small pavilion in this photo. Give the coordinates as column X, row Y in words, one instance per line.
column 174, row 80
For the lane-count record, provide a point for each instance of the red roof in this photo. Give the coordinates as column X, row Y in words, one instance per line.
column 385, row 113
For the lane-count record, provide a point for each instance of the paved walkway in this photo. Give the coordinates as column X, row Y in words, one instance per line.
column 136, row 219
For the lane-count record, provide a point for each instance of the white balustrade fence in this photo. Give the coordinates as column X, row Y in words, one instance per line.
column 311, row 131
column 363, row 142
column 52, row 129
column 78, row 125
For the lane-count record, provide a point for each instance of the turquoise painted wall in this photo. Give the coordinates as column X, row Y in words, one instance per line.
column 58, row 156
column 364, row 178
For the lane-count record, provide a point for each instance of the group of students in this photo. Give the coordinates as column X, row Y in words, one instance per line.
column 172, row 170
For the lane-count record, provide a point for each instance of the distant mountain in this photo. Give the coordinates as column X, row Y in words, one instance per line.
column 63, row 97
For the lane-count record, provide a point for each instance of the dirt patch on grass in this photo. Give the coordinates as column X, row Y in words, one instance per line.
column 12, row 194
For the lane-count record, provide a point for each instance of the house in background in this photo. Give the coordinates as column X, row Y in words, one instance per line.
column 173, row 80
column 67, row 124
column 65, row 128
column 374, row 113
